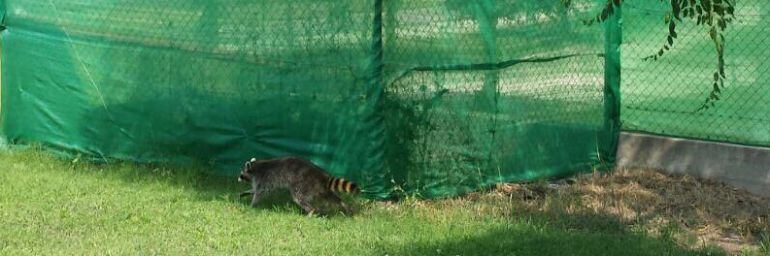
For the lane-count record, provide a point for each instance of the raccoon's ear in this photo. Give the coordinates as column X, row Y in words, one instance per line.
column 248, row 164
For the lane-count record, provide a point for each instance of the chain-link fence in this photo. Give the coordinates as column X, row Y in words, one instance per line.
column 665, row 96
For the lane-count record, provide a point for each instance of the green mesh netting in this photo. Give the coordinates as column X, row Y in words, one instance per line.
column 421, row 97
column 664, row 96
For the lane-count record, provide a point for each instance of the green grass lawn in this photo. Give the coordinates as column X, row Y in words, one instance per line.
column 55, row 207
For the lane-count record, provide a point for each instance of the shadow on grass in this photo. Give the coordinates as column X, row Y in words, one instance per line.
column 545, row 240
column 533, row 232
column 201, row 183
column 207, row 186
column 521, row 232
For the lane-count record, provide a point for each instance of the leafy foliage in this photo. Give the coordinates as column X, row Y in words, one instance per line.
column 713, row 14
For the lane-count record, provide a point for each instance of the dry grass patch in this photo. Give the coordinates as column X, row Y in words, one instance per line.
column 694, row 212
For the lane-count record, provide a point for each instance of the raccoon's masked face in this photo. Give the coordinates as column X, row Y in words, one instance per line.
column 246, row 172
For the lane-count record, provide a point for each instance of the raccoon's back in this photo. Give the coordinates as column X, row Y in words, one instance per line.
column 304, row 173
column 301, row 172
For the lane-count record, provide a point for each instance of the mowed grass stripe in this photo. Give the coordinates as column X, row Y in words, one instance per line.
column 54, row 207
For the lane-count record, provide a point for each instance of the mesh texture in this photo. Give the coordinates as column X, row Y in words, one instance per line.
column 434, row 98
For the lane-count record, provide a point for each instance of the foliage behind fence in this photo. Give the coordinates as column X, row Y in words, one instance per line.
column 665, row 96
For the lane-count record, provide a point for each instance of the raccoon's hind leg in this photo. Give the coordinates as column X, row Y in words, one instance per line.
column 305, row 204
column 336, row 201
column 304, row 201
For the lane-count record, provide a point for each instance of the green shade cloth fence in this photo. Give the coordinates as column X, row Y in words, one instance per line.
column 433, row 98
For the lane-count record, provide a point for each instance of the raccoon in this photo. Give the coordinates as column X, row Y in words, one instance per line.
column 310, row 186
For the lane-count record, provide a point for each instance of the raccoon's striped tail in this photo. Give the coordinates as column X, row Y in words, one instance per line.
column 342, row 185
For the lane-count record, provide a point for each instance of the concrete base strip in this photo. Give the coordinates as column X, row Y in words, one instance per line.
column 741, row 166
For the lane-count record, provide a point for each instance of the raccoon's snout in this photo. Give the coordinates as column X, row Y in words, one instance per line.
column 242, row 178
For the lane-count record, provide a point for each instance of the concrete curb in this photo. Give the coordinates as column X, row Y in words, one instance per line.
column 741, row 166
